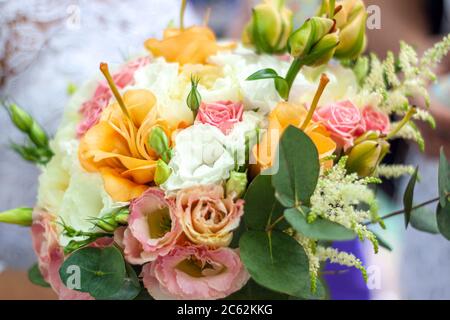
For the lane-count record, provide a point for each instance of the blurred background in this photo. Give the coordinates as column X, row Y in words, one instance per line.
column 45, row 45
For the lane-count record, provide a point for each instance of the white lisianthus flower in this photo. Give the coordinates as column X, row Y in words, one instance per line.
column 239, row 65
column 201, row 157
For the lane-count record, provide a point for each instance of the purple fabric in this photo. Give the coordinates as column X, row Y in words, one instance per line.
column 347, row 284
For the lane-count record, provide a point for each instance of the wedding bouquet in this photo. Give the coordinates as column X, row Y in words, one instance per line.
column 205, row 169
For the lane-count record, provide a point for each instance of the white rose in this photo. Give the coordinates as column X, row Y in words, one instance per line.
column 201, row 157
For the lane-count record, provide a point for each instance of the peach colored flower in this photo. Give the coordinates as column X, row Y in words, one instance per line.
column 195, row 272
column 207, row 217
column 376, row 120
column 221, row 114
column 91, row 110
column 153, row 228
column 50, row 255
column 343, row 120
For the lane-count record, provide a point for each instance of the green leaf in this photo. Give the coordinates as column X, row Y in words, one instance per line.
column 444, row 180
column 425, row 221
column 408, row 197
column 35, row 276
column 261, row 206
column 320, row 229
column 282, row 87
column 253, row 291
column 443, row 220
column 263, row 74
column 298, row 170
column 131, row 287
column 101, row 271
column 277, row 262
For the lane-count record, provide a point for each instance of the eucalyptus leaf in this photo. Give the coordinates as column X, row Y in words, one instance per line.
column 320, row 229
column 253, row 291
column 443, row 220
column 261, row 205
column 425, row 221
column 444, row 180
column 35, row 276
column 131, row 286
column 98, row 271
column 277, row 262
column 298, row 170
column 408, row 197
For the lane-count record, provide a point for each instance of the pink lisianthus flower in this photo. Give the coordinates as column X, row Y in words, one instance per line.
column 91, row 110
column 343, row 121
column 222, row 114
column 195, row 272
column 376, row 120
column 153, row 228
column 50, row 255
column 207, row 216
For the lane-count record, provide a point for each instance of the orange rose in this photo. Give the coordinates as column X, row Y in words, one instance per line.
column 117, row 146
column 191, row 45
column 284, row 115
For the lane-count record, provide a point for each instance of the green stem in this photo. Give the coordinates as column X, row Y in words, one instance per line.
column 402, row 123
column 272, row 226
column 332, row 8
column 292, row 73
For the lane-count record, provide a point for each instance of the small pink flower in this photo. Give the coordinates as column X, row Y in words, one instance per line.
column 343, row 120
column 195, row 272
column 153, row 228
column 50, row 255
column 207, row 216
column 375, row 120
column 91, row 110
column 222, row 114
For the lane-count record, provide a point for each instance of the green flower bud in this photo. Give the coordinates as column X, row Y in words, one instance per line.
column 71, row 89
column 21, row 119
column 236, row 184
column 194, row 99
column 269, row 28
column 19, row 216
column 351, row 21
column 121, row 217
column 162, row 172
column 367, row 154
column 38, row 135
column 314, row 42
column 159, row 142
column 107, row 223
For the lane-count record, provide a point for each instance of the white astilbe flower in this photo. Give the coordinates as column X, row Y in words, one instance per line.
column 410, row 132
column 339, row 197
column 425, row 115
column 342, row 258
column 394, row 171
column 310, row 246
column 389, row 70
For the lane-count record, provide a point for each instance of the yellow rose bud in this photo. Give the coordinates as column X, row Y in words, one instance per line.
column 350, row 17
column 270, row 27
column 367, row 154
column 314, row 42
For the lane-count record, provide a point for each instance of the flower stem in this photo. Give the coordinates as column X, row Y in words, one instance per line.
column 332, row 8
column 104, row 69
column 402, row 123
column 182, row 11
column 272, row 226
column 292, row 73
column 324, row 80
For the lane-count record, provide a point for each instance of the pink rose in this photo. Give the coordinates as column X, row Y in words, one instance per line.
column 222, row 114
column 343, row 120
column 153, row 228
column 50, row 255
column 91, row 110
column 375, row 120
column 207, row 217
column 195, row 272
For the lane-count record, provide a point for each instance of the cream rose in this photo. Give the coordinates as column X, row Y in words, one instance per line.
column 206, row 216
